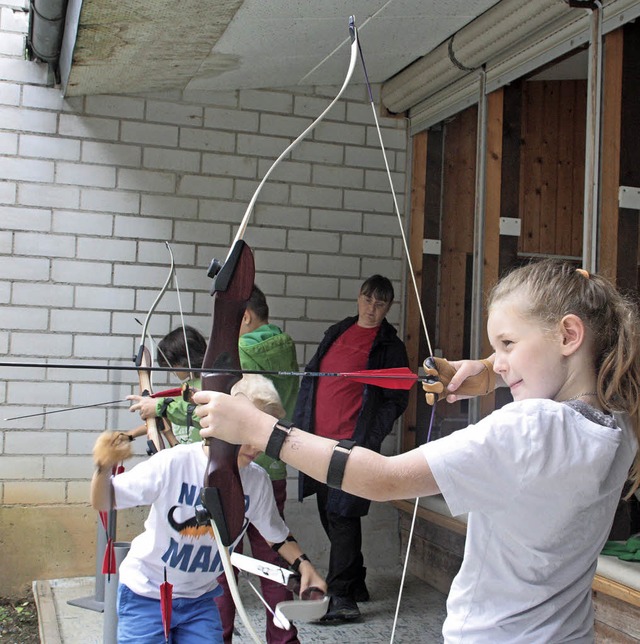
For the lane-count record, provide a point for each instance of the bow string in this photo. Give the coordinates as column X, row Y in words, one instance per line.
column 422, row 317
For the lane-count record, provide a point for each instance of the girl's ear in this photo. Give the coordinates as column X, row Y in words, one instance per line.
column 573, row 333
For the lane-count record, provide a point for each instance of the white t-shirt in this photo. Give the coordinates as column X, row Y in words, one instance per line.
column 170, row 481
column 541, row 484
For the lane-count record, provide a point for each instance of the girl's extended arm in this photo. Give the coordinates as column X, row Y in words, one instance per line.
column 367, row 474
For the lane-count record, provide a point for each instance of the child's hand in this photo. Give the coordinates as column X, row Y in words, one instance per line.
column 310, row 579
column 111, row 448
column 458, row 380
column 144, row 404
column 472, row 378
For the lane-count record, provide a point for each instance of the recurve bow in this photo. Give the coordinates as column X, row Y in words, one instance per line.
column 222, row 495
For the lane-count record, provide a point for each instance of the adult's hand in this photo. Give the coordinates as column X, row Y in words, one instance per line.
column 233, row 419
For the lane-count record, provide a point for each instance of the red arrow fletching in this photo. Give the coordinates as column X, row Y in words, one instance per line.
column 393, row 378
column 166, row 594
column 109, row 560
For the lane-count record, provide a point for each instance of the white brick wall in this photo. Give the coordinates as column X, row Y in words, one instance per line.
column 91, row 187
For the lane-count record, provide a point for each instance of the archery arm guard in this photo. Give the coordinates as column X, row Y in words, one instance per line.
column 439, row 373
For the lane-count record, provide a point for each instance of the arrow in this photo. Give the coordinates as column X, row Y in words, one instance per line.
column 395, row 377
column 390, row 378
column 176, row 391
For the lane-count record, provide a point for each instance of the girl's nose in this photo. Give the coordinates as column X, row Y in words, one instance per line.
column 499, row 364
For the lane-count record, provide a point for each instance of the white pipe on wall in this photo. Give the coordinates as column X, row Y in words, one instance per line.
column 477, row 304
column 492, row 33
column 512, row 39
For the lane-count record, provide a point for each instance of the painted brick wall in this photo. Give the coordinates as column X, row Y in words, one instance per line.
column 92, row 187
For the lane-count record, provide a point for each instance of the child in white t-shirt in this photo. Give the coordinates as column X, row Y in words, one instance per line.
column 540, row 477
column 170, row 482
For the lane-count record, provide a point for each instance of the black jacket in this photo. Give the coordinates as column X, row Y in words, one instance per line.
column 380, row 408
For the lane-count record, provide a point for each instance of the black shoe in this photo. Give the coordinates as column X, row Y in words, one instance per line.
column 341, row 609
column 361, row 593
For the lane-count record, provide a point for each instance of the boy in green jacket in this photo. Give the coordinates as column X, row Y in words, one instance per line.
column 264, row 347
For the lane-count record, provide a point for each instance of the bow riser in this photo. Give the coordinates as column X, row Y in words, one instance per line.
column 222, row 494
column 231, row 290
column 156, row 427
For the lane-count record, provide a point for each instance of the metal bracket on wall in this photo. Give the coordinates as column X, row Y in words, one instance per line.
column 629, row 197
column 510, row 226
column 431, row 247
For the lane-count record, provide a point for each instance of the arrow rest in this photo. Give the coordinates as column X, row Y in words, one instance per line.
column 223, row 273
column 202, row 515
column 214, row 268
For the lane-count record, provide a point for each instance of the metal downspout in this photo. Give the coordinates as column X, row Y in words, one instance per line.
column 46, row 27
column 478, row 236
column 592, row 148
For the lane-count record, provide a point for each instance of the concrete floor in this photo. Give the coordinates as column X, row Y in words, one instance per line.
column 421, row 615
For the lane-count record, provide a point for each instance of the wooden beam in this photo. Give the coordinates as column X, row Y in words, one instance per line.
column 628, row 225
column 493, row 180
column 616, row 589
column 610, row 152
column 413, row 324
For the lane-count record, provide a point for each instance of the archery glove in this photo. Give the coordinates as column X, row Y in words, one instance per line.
column 439, row 373
column 111, row 448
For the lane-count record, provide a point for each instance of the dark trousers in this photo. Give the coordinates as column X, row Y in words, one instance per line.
column 346, row 563
column 272, row 591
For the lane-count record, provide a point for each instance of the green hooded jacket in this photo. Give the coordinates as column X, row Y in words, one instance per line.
column 267, row 348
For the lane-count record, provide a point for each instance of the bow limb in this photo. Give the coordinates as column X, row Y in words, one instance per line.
column 163, row 290
column 157, row 428
column 225, row 557
column 353, row 34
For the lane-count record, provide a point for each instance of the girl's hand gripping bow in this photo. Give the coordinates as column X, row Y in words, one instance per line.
column 472, row 377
